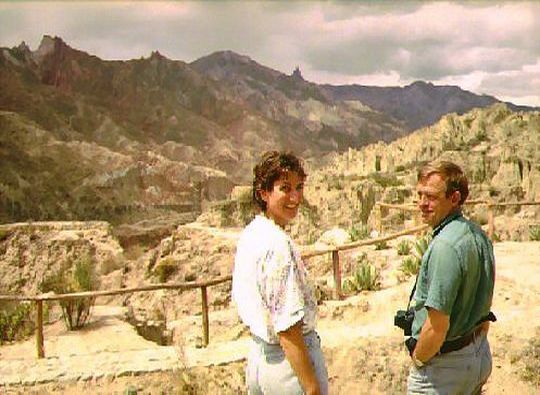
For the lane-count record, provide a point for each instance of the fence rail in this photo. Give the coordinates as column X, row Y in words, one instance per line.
column 203, row 285
column 491, row 206
column 39, row 299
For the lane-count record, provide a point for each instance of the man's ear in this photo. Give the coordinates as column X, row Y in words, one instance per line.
column 456, row 198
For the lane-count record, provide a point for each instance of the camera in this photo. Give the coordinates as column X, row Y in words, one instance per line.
column 404, row 319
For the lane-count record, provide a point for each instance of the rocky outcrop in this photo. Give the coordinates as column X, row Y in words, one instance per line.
column 497, row 148
column 122, row 141
column 30, row 252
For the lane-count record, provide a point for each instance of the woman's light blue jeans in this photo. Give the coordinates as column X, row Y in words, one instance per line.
column 268, row 372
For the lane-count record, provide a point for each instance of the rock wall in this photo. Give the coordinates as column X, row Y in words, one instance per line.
column 29, row 252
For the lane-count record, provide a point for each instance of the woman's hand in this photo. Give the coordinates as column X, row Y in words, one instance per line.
column 294, row 347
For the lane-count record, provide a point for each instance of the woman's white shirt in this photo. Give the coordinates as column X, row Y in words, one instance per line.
column 270, row 285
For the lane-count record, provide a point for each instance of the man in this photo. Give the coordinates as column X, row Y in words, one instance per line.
column 454, row 291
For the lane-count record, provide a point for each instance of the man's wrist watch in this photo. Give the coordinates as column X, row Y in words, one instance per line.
column 417, row 362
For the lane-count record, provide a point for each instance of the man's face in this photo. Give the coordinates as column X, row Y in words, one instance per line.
column 432, row 200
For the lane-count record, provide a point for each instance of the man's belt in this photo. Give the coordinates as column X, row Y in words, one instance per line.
column 460, row 342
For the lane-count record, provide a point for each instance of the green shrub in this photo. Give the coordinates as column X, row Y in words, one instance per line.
column 226, row 210
column 381, row 245
column 365, row 277
column 358, row 232
column 4, row 234
column 80, row 277
column 335, row 183
column 421, row 245
column 404, row 248
column 165, row 269
column 534, row 233
column 386, row 180
column 410, row 266
column 16, row 322
column 530, row 357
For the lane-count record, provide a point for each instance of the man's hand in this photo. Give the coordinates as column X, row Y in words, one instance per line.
column 432, row 335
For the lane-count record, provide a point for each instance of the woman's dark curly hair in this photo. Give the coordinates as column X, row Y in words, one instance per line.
column 271, row 167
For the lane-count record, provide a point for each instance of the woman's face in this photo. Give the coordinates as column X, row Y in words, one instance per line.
column 283, row 200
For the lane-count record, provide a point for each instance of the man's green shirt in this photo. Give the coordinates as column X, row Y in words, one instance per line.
column 456, row 276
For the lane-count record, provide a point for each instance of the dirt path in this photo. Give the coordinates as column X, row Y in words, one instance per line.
column 363, row 348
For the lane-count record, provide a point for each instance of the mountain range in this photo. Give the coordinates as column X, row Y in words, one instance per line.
column 86, row 138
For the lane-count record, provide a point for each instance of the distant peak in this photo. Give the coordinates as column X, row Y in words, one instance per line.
column 23, row 47
column 157, row 55
column 48, row 45
column 230, row 56
column 421, row 84
column 297, row 73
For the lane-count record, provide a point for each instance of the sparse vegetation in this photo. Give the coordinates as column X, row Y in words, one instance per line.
column 421, row 245
column 335, row 183
column 530, row 357
column 365, row 277
column 381, row 245
column 386, row 180
column 534, row 233
column 226, row 211
column 15, row 322
column 165, row 269
column 4, row 234
column 410, row 266
column 404, row 247
column 358, row 232
column 69, row 279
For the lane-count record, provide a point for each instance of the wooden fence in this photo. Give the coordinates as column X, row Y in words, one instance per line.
column 203, row 285
column 39, row 299
column 491, row 206
column 336, row 267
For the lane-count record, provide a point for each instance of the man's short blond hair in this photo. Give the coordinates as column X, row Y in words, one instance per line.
column 454, row 177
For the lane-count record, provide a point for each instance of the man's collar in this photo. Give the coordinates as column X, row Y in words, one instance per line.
column 452, row 216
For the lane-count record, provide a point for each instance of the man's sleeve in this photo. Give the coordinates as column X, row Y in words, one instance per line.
column 445, row 274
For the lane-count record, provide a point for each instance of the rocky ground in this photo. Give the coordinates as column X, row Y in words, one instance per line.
column 363, row 349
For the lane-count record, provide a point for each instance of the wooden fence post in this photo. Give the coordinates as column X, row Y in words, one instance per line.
column 206, row 336
column 491, row 221
column 378, row 214
column 39, row 329
column 337, row 274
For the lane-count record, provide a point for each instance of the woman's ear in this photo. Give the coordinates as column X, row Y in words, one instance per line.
column 263, row 195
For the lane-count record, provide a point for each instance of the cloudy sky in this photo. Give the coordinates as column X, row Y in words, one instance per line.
column 490, row 47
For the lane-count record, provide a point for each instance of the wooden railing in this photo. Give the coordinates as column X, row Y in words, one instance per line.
column 336, row 268
column 203, row 285
column 39, row 299
column 490, row 206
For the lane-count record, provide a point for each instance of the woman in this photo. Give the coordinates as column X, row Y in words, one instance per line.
column 270, row 287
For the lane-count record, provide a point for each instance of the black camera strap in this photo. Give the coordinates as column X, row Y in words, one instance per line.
column 413, row 291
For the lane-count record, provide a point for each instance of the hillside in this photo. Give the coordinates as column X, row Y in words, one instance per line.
column 151, row 138
column 155, row 136
column 419, row 104
column 498, row 149
column 496, row 146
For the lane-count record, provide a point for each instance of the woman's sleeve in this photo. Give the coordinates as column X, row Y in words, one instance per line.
column 281, row 287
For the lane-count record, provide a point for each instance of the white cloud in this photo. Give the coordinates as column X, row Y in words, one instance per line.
column 486, row 47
